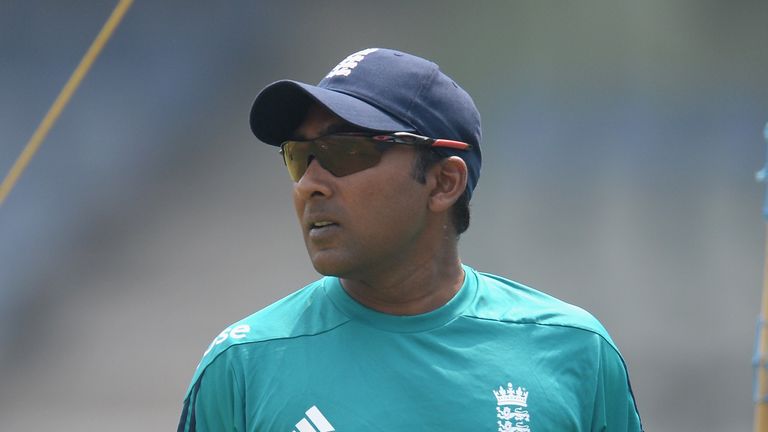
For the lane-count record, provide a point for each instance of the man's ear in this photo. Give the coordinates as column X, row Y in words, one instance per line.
column 450, row 179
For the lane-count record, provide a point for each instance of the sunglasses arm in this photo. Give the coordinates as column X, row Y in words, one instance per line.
column 451, row 144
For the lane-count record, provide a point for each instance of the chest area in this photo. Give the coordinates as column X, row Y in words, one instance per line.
column 388, row 382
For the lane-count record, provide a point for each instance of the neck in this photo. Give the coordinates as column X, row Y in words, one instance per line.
column 417, row 287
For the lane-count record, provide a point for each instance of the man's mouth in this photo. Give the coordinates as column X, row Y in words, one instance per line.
column 321, row 224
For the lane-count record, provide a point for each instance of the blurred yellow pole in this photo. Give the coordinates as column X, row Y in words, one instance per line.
column 61, row 101
column 761, row 384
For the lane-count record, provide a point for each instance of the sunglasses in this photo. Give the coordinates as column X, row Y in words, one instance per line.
column 343, row 154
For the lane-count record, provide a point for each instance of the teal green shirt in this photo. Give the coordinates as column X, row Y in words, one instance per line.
column 499, row 357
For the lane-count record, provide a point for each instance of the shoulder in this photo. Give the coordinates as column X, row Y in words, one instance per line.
column 305, row 312
column 508, row 302
column 504, row 300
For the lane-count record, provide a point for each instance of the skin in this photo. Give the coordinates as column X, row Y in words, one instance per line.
column 391, row 241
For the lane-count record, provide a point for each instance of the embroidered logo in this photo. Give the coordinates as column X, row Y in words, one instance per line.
column 348, row 64
column 237, row 332
column 509, row 419
column 315, row 421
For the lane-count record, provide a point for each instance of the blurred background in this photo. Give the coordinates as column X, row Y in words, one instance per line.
column 621, row 141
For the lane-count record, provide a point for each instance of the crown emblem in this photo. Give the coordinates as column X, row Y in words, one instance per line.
column 511, row 396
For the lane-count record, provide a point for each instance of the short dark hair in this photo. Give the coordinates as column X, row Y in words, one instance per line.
column 425, row 159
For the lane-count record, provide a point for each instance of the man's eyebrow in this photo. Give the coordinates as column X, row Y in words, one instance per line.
column 331, row 129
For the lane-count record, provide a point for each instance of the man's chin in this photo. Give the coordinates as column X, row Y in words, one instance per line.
column 328, row 263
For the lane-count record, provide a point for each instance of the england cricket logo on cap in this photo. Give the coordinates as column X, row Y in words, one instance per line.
column 348, row 64
column 509, row 419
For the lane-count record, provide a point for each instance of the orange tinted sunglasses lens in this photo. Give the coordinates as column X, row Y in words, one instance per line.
column 340, row 155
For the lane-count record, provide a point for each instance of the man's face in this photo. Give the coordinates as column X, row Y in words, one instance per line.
column 361, row 224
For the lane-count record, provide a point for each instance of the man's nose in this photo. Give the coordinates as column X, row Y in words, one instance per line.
column 315, row 181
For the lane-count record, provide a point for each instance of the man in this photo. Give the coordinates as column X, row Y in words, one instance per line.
column 399, row 335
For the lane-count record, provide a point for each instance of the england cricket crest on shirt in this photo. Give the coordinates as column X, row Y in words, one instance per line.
column 511, row 409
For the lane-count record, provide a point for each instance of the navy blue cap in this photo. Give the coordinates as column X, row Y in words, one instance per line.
column 381, row 90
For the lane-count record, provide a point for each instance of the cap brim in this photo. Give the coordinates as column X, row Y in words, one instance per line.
column 280, row 108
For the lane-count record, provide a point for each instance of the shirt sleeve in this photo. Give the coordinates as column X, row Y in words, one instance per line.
column 615, row 407
column 214, row 402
